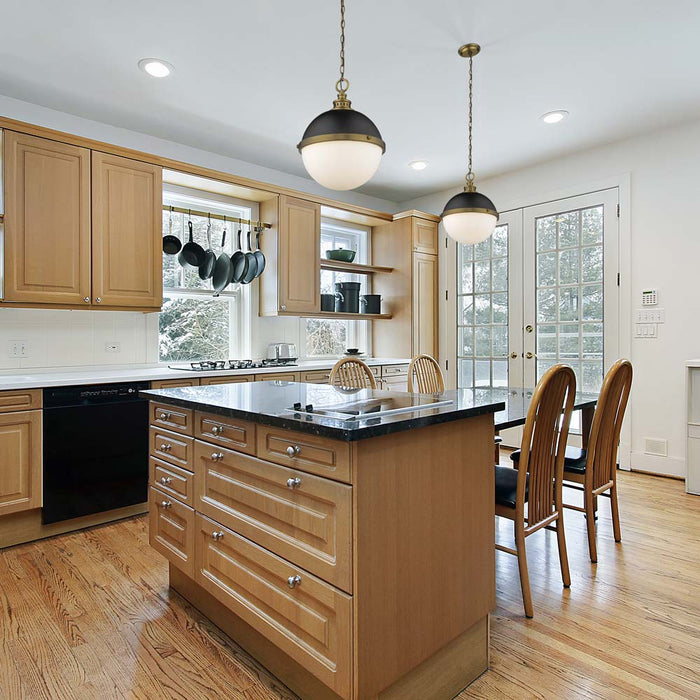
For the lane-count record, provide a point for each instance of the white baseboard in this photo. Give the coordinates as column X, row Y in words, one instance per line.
column 667, row 466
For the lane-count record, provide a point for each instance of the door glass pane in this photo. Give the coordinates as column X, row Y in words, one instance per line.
column 482, row 311
column 569, row 293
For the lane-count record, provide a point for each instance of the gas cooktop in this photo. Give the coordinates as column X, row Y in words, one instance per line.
column 212, row 365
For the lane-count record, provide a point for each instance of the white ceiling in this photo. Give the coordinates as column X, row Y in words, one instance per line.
column 251, row 74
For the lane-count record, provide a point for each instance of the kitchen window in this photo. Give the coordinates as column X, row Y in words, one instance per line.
column 325, row 337
column 193, row 323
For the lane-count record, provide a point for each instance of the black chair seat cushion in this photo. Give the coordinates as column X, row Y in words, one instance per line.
column 574, row 459
column 507, row 486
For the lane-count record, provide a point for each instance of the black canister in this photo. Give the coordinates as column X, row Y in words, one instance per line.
column 347, row 297
column 327, row 302
column 371, row 303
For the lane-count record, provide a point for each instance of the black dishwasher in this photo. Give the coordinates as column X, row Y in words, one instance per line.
column 95, row 449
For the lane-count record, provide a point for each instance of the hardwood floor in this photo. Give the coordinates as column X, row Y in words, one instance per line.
column 89, row 615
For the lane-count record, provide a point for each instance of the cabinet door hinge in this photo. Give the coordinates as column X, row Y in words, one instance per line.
column 447, row 295
column 447, row 365
column 446, row 241
column 618, row 211
column 618, row 279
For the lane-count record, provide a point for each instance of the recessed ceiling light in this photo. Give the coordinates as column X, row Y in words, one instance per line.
column 155, row 67
column 419, row 164
column 554, row 117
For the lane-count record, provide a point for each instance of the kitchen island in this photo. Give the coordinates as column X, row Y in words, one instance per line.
column 345, row 538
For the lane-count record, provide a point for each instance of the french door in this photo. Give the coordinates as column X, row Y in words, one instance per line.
column 542, row 290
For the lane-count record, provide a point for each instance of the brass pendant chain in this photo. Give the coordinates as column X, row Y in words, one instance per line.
column 470, row 174
column 343, row 84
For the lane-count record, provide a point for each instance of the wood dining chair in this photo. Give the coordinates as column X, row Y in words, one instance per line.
column 351, row 373
column 594, row 470
column 537, row 483
column 425, row 376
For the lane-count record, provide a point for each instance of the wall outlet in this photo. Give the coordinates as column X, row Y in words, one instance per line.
column 113, row 347
column 17, row 348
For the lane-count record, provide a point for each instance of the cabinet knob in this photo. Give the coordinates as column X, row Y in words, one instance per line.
column 166, row 447
column 166, row 480
column 99, row 300
column 216, row 536
column 294, row 581
column 86, row 300
column 293, row 450
column 283, row 307
column 165, row 416
column 165, row 504
column 217, row 430
column 294, row 483
column 216, row 456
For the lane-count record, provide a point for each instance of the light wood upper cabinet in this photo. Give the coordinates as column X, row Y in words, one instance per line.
column 126, row 232
column 425, row 304
column 425, row 236
column 292, row 280
column 20, row 461
column 47, row 221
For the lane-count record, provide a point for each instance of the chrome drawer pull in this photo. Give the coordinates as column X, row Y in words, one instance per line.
column 166, row 504
column 217, row 456
column 165, row 480
column 294, row 581
column 216, row 536
column 217, row 430
column 166, row 447
column 294, row 483
column 293, row 450
column 166, row 416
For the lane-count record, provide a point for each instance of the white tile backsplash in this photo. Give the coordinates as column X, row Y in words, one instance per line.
column 58, row 338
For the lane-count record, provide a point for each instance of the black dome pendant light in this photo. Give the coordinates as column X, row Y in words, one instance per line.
column 341, row 148
column 469, row 217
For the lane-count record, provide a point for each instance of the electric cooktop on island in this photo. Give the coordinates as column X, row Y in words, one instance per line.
column 212, row 365
column 365, row 409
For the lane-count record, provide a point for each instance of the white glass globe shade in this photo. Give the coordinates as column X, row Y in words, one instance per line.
column 469, row 227
column 341, row 165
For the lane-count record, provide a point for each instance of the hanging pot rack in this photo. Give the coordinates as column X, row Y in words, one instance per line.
column 221, row 217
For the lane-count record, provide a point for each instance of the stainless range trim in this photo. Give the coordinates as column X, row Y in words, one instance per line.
column 337, row 412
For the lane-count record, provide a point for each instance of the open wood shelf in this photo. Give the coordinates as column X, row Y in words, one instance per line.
column 337, row 315
column 357, row 268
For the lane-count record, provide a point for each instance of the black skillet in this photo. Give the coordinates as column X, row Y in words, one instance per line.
column 223, row 268
column 192, row 253
column 252, row 271
column 239, row 262
column 206, row 269
column 171, row 244
column 259, row 255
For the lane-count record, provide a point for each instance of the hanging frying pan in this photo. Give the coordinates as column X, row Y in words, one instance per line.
column 192, row 253
column 239, row 262
column 252, row 271
column 206, row 268
column 171, row 244
column 259, row 255
column 223, row 268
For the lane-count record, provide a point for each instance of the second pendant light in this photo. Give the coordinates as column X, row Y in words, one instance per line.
column 341, row 148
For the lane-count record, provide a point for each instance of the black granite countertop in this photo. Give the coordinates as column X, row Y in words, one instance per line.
column 342, row 414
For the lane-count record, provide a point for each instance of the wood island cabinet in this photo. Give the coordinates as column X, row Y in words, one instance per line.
column 82, row 228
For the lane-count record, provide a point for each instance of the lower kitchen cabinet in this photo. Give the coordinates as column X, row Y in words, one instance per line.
column 20, row 461
column 171, row 529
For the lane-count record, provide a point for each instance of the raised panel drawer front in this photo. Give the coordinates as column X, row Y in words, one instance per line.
column 173, row 448
column 310, row 453
column 172, row 417
column 172, row 480
column 394, row 370
column 173, row 383
column 278, row 377
column 228, row 432
column 303, row 616
column 321, row 377
column 171, row 530
column 20, row 400
column 303, row 518
column 237, row 379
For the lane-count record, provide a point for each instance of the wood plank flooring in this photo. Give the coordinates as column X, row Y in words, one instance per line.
column 89, row 615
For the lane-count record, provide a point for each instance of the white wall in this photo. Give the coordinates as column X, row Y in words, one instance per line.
column 663, row 252
column 71, row 338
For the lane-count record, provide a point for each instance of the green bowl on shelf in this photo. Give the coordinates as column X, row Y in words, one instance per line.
column 341, row 254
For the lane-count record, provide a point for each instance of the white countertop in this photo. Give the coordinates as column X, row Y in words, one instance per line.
column 67, row 376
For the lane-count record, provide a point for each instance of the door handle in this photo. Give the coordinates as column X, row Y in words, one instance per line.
column 529, row 328
column 530, row 355
column 513, row 355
